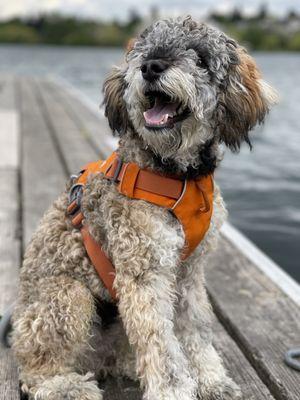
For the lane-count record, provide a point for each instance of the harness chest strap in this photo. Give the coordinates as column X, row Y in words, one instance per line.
column 190, row 201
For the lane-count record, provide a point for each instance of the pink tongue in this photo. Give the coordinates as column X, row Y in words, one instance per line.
column 159, row 113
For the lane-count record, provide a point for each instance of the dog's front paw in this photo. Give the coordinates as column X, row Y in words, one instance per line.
column 70, row 386
column 223, row 390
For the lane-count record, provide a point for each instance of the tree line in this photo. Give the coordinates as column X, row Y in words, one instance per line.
column 258, row 32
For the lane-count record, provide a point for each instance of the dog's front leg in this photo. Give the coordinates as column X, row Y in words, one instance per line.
column 194, row 330
column 147, row 311
column 145, row 282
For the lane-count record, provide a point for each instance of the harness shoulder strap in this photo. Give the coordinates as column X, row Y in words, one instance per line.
column 101, row 262
column 99, row 259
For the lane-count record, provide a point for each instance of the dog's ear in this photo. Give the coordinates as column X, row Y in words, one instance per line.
column 130, row 45
column 244, row 101
column 115, row 108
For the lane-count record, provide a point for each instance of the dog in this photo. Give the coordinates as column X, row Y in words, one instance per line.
column 184, row 91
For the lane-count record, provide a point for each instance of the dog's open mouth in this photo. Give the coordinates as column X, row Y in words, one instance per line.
column 163, row 112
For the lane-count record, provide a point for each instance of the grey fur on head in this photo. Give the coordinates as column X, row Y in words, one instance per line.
column 208, row 73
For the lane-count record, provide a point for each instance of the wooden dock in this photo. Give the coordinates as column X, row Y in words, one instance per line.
column 47, row 133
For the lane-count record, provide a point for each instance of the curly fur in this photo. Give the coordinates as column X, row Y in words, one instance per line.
column 162, row 335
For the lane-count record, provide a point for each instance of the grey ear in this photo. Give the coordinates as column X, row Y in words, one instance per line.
column 245, row 101
column 115, row 107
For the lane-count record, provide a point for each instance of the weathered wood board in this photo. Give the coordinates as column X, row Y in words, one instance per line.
column 92, row 122
column 9, row 194
column 42, row 171
column 10, row 229
column 74, row 148
column 263, row 321
column 7, row 92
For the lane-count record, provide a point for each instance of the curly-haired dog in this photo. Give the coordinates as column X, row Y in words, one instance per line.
column 184, row 89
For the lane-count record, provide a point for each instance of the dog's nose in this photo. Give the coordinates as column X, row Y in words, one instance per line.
column 152, row 69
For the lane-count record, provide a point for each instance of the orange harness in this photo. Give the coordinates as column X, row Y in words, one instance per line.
column 191, row 201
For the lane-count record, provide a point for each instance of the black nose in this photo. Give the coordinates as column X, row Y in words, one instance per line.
column 152, row 69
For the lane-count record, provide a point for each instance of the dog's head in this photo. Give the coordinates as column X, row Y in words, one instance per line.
column 185, row 84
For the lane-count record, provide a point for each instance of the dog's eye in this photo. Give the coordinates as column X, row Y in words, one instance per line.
column 199, row 62
column 145, row 32
column 202, row 63
column 202, row 57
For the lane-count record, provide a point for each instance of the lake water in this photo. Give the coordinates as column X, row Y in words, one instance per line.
column 261, row 188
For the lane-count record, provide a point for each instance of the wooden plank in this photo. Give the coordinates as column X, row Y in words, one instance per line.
column 89, row 116
column 9, row 199
column 120, row 389
column 7, row 92
column 72, row 141
column 89, row 119
column 43, row 173
column 9, row 207
column 238, row 366
column 9, row 381
column 262, row 320
column 10, row 243
column 284, row 281
column 9, row 139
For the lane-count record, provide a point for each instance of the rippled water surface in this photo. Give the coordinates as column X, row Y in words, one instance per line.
column 261, row 188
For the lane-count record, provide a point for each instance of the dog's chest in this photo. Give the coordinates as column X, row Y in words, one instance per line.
column 122, row 224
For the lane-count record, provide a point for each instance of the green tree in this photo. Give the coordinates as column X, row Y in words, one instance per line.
column 16, row 33
column 294, row 42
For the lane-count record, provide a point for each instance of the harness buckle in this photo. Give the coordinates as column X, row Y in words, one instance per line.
column 75, row 197
column 115, row 176
column 74, row 178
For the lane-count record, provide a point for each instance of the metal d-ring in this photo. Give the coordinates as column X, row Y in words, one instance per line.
column 290, row 358
column 75, row 193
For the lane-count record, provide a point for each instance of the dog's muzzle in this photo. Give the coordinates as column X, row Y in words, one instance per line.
column 164, row 112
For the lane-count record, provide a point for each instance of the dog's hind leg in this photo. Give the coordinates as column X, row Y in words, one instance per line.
column 48, row 335
column 194, row 330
